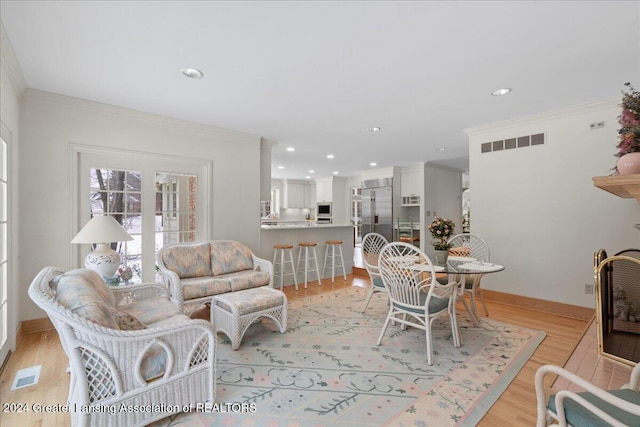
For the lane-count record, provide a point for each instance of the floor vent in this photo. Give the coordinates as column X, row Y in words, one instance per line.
column 26, row 377
column 508, row 144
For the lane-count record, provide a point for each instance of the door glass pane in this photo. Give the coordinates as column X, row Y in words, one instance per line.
column 118, row 193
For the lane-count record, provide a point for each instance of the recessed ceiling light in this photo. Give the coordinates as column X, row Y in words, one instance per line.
column 329, row 156
column 373, row 164
column 307, row 177
column 500, row 92
column 336, row 172
column 311, row 171
column 193, row 73
column 280, row 167
column 374, row 129
column 441, row 149
column 291, row 149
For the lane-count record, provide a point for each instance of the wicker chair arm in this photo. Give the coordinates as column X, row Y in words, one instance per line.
column 265, row 265
column 132, row 293
column 172, row 282
column 565, row 394
column 188, row 344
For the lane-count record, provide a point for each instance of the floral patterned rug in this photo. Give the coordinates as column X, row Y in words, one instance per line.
column 326, row 370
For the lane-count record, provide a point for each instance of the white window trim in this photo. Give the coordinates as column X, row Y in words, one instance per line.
column 76, row 222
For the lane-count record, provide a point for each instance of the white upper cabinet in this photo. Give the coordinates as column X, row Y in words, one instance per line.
column 297, row 194
column 411, row 187
column 324, row 190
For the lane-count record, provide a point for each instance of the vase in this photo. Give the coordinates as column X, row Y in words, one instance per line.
column 629, row 164
column 440, row 257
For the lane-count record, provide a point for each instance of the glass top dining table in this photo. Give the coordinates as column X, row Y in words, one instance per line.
column 458, row 269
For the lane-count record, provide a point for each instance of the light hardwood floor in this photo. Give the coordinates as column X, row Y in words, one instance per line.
column 516, row 406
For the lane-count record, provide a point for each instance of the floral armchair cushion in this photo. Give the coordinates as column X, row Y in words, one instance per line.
column 228, row 256
column 86, row 294
column 192, row 260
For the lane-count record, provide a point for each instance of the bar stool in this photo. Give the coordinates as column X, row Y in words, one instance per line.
column 309, row 249
column 333, row 244
column 283, row 250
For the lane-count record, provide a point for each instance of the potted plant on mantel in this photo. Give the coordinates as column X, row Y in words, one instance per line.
column 441, row 229
column 629, row 144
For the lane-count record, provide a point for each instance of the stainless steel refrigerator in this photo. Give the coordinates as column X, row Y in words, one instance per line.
column 377, row 207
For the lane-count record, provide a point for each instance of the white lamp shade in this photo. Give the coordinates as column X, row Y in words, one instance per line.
column 102, row 229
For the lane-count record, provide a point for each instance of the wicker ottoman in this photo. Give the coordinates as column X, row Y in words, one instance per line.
column 233, row 312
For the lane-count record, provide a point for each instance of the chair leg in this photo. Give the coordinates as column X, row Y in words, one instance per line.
column 484, row 304
column 366, row 301
column 427, row 333
column 384, row 328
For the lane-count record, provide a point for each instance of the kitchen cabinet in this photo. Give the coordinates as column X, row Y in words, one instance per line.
column 411, row 187
column 324, row 190
column 297, row 194
column 333, row 189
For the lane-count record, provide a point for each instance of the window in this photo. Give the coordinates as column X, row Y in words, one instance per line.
column 4, row 256
column 175, row 208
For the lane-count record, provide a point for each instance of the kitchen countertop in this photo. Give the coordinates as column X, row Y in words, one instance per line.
column 302, row 226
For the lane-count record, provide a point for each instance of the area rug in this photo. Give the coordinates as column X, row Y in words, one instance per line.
column 326, row 370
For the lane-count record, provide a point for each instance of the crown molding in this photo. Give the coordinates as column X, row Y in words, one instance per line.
column 10, row 62
column 156, row 119
column 553, row 114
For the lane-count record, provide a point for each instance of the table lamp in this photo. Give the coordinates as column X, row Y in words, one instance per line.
column 102, row 230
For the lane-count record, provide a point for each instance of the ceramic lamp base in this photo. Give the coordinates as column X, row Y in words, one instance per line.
column 103, row 260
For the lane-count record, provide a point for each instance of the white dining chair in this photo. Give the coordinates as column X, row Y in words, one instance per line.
column 471, row 245
column 416, row 297
column 372, row 244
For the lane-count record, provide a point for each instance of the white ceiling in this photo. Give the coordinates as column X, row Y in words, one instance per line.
column 317, row 75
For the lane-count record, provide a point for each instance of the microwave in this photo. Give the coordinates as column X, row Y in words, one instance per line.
column 323, row 210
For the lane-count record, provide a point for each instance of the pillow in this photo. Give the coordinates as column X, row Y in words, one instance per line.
column 126, row 321
column 86, row 294
column 203, row 311
column 188, row 260
column 229, row 256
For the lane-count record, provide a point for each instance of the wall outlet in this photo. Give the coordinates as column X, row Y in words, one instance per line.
column 588, row 288
column 596, row 125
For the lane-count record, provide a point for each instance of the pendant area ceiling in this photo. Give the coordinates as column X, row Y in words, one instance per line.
column 317, row 75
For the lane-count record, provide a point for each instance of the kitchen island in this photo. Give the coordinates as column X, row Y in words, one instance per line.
column 293, row 234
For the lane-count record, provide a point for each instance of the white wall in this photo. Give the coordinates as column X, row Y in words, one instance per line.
column 49, row 123
column 537, row 206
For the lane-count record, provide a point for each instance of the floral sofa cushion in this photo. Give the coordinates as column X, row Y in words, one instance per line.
column 187, row 261
column 198, row 287
column 228, row 256
column 86, row 294
column 151, row 310
column 246, row 279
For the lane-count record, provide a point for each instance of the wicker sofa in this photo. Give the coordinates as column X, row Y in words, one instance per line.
column 195, row 271
column 128, row 347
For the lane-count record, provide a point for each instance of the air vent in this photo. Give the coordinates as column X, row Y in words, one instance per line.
column 511, row 143
column 26, row 377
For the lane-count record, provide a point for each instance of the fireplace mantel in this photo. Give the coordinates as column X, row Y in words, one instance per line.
column 626, row 186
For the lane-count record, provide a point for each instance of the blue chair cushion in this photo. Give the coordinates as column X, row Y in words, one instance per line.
column 377, row 282
column 435, row 305
column 579, row 416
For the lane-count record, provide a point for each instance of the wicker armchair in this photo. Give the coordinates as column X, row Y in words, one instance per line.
column 591, row 407
column 161, row 365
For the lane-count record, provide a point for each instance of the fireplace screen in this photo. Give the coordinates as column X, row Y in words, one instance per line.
column 618, row 292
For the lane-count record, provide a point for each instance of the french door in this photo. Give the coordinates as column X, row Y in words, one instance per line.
column 7, row 328
column 158, row 200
